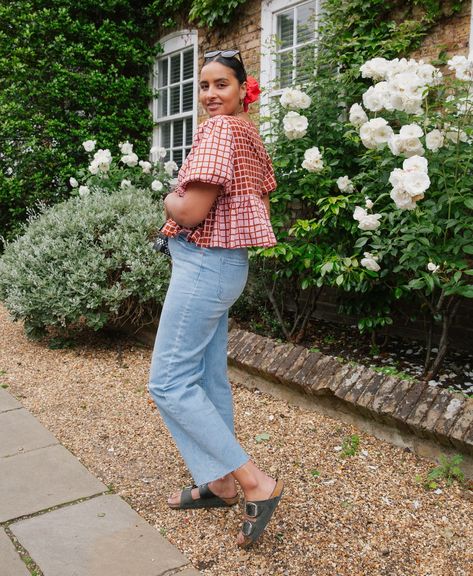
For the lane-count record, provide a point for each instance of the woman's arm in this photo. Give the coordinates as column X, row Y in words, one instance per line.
column 190, row 209
column 266, row 203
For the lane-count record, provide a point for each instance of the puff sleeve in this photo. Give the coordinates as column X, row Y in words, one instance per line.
column 269, row 181
column 211, row 159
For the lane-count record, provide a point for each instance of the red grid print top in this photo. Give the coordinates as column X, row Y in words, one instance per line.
column 228, row 151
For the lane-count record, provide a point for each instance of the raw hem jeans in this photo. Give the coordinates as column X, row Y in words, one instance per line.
column 188, row 379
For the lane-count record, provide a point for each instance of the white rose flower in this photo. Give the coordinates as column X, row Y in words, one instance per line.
column 170, row 166
column 465, row 105
column 295, row 125
column 402, row 199
column 293, row 99
column 431, row 267
column 357, row 115
column 456, row 136
column 415, row 163
column 145, row 166
column 89, row 145
column 313, row 160
column 101, row 161
column 368, row 203
column 463, row 67
column 376, row 68
column 369, row 262
column 377, row 97
column 434, row 140
column 125, row 148
column 84, row 191
column 130, row 159
column 158, row 152
column 345, row 184
column 366, row 221
column 73, row 182
column 125, row 184
column 157, row 185
column 412, row 147
column 416, row 183
column 396, row 178
column 395, row 144
column 375, row 133
column 411, row 131
column 429, row 75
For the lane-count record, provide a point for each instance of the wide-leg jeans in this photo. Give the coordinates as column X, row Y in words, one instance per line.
column 188, row 377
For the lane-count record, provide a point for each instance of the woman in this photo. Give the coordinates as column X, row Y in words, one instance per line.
column 220, row 207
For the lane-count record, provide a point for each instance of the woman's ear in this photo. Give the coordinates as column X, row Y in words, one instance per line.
column 242, row 91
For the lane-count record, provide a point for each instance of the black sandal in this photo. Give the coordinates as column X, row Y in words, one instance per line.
column 207, row 499
column 258, row 514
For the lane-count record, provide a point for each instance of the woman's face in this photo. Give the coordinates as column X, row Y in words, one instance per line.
column 219, row 90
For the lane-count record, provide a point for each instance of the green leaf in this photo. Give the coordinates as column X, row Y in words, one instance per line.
column 469, row 203
column 262, row 437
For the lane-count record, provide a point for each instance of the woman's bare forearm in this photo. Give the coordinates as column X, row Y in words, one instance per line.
column 191, row 208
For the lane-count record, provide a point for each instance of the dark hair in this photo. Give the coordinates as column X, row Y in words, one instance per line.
column 233, row 63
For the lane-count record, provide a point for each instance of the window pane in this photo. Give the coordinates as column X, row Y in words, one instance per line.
column 285, row 27
column 305, row 62
column 163, row 103
column 284, row 69
column 175, row 68
column 163, row 72
column 178, row 135
column 305, row 22
column 177, row 157
column 166, row 135
column 188, row 66
column 187, row 97
column 187, row 151
column 189, row 131
column 175, row 99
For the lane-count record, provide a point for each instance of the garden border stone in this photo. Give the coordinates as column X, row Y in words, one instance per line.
column 409, row 406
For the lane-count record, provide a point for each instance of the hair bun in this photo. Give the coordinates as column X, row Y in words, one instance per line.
column 252, row 92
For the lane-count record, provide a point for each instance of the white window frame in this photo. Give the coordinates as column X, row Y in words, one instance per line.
column 269, row 13
column 174, row 43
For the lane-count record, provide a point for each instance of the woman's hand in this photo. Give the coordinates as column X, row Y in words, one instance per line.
column 190, row 209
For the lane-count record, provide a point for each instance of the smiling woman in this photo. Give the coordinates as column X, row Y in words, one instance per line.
column 219, row 208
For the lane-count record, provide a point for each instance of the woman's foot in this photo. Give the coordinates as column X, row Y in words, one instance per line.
column 223, row 487
column 256, row 486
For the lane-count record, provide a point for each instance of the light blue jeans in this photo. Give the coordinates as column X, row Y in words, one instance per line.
column 188, row 379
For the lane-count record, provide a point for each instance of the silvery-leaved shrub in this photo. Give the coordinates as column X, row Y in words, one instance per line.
column 87, row 262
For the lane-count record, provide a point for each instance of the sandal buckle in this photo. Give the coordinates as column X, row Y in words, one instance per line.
column 252, row 509
column 247, row 528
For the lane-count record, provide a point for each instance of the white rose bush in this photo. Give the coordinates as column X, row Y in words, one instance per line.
column 88, row 262
column 377, row 199
column 416, row 166
column 107, row 173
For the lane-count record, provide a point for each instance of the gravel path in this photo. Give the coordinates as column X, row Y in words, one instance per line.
column 362, row 515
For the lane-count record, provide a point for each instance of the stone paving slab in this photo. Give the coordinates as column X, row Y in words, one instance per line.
column 7, row 401
column 99, row 537
column 21, row 432
column 10, row 562
column 42, row 478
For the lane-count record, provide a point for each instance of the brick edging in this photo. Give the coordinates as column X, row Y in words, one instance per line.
column 411, row 406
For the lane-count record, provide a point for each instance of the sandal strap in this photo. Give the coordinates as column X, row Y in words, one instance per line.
column 205, row 491
column 186, row 496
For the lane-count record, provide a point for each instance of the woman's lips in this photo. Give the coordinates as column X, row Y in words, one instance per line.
column 213, row 106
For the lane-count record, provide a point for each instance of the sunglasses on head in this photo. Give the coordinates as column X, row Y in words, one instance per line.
column 223, row 54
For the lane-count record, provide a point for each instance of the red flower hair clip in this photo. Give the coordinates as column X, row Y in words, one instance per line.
column 252, row 92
